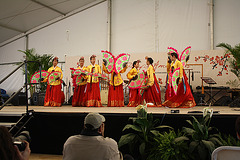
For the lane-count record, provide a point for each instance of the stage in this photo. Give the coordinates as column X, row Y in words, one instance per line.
column 51, row 126
column 222, row 110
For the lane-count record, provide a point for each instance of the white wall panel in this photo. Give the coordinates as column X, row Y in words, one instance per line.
column 82, row 34
column 227, row 22
column 133, row 26
column 183, row 23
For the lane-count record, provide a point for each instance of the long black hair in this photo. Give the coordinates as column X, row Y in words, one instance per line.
column 150, row 60
column 134, row 63
column 173, row 54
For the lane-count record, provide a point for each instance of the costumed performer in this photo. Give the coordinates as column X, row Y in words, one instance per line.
column 134, row 95
column 115, row 92
column 79, row 98
column 54, row 96
column 184, row 97
column 152, row 94
column 93, row 98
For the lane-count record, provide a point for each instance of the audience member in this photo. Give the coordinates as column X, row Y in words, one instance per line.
column 91, row 143
column 8, row 151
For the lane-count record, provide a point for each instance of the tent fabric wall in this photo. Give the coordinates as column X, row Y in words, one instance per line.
column 9, row 54
column 226, row 22
column 138, row 27
column 82, row 34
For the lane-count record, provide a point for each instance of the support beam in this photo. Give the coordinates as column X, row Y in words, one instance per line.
column 109, row 25
column 211, row 24
column 51, row 8
column 11, row 28
column 62, row 17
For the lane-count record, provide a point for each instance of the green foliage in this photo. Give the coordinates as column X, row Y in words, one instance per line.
column 170, row 145
column 228, row 140
column 203, row 139
column 45, row 62
column 141, row 133
column 235, row 61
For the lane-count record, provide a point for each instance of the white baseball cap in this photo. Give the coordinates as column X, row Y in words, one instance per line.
column 94, row 119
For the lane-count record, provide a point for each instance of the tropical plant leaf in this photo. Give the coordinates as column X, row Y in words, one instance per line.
column 209, row 145
column 193, row 145
column 131, row 126
column 216, row 141
column 188, row 131
column 155, row 132
column 125, row 139
column 163, row 127
column 179, row 139
column 142, row 148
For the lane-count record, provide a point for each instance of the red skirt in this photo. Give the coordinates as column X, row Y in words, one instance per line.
column 115, row 96
column 134, row 98
column 79, row 98
column 93, row 98
column 52, row 97
column 180, row 100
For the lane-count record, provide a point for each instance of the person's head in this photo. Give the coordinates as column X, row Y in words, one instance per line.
column 93, row 59
column 173, row 56
column 7, row 149
column 136, row 64
column 149, row 61
column 237, row 127
column 55, row 61
column 95, row 121
column 81, row 61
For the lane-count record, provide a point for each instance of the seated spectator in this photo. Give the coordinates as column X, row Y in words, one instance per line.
column 91, row 144
column 8, row 151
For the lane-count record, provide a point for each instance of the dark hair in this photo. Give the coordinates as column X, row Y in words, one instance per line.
column 55, row 58
column 7, row 149
column 134, row 63
column 237, row 125
column 150, row 60
column 173, row 54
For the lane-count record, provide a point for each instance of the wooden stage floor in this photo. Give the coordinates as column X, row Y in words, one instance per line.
column 223, row 110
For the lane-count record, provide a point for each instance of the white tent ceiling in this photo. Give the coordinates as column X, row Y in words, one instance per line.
column 20, row 16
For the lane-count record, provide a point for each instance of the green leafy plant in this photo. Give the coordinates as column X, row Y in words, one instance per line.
column 142, row 132
column 235, row 61
column 170, row 145
column 45, row 61
column 228, row 140
column 203, row 138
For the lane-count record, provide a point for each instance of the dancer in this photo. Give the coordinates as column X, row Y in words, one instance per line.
column 183, row 97
column 54, row 96
column 134, row 95
column 153, row 93
column 79, row 98
column 115, row 92
column 93, row 98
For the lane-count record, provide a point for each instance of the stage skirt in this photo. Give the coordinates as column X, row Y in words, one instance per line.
column 153, row 94
column 54, row 96
column 115, row 96
column 180, row 100
column 79, row 98
column 134, row 98
column 93, row 98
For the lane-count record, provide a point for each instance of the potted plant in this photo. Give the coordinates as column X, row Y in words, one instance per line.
column 234, row 62
column 45, row 61
column 141, row 132
column 203, row 139
column 170, row 145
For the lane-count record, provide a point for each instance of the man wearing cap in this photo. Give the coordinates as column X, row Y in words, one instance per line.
column 91, row 144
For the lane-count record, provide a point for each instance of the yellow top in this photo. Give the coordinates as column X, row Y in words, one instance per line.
column 177, row 64
column 96, row 69
column 150, row 72
column 85, row 76
column 57, row 82
column 133, row 72
column 117, row 77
